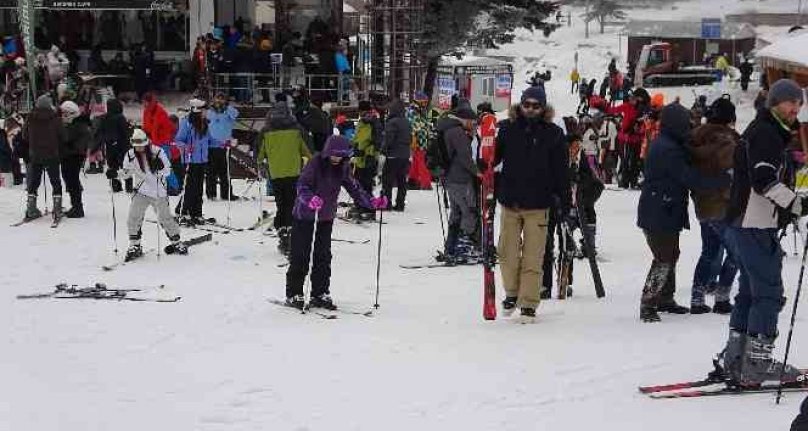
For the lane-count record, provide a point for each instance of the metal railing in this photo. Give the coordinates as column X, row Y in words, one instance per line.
column 260, row 88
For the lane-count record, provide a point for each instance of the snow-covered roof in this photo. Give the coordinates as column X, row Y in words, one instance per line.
column 470, row 60
column 792, row 50
column 686, row 29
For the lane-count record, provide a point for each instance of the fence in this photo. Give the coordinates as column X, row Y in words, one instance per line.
column 260, row 88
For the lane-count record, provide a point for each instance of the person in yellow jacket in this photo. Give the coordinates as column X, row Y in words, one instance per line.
column 366, row 142
column 575, row 78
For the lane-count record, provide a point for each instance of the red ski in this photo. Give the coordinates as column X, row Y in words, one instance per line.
column 488, row 205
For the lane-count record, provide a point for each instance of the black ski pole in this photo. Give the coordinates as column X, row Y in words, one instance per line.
column 45, row 185
column 114, row 220
column 791, row 326
column 379, row 259
column 440, row 211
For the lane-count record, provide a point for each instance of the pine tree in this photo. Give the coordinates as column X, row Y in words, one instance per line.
column 602, row 10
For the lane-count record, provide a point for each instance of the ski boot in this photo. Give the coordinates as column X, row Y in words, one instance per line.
column 322, row 301
column 722, row 307
column 673, row 308
column 134, row 251
column 649, row 314
column 728, row 363
column 509, row 305
column 57, row 208
column 527, row 315
column 76, row 207
column 697, row 305
column 758, row 365
column 31, row 211
column 176, row 246
column 295, row 302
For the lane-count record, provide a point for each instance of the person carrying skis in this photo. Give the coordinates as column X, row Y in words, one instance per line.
column 457, row 130
column 396, row 152
column 761, row 201
column 193, row 137
column 77, row 138
column 367, row 141
column 662, row 211
column 283, row 149
column 148, row 166
column 533, row 156
column 712, row 151
column 317, row 191
column 45, row 136
column 221, row 118
column 113, row 135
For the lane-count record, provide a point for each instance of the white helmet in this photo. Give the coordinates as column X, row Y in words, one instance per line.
column 139, row 138
column 70, row 111
column 197, row 104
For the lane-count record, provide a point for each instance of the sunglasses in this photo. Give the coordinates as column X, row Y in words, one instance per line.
column 531, row 105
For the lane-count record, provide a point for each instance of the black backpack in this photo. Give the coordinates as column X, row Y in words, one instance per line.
column 437, row 154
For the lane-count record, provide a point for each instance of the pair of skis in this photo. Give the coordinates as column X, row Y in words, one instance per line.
column 54, row 222
column 168, row 250
column 100, row 291
column 712, row 388
column 325, row 314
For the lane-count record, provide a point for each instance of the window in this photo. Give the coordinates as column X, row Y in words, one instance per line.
column 488, row 86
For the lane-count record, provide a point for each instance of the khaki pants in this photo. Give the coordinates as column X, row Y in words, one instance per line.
column 522, row 238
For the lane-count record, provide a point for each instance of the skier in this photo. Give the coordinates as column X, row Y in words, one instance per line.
column 77, row 138
column 193, row 137
column 712, row 152
column 746, row 69
column 317, row 191
column 113, row 135
column 533, row 157
column 630, row 136
column 761, row 202
column 149, row 166
column 367, row 141
column 662, row 210
column 575, row 79
column 283, row 149
column 589, row 142
column 221, row 117
column 801, row 421
column 457, row 130
column 396, row 152
column 45, row 136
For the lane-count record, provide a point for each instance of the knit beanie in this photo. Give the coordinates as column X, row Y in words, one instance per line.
column 535, row 93
column 784, row 90
column 44, row 101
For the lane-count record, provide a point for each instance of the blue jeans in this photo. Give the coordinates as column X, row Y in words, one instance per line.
column 710, row 265
column 760, row 298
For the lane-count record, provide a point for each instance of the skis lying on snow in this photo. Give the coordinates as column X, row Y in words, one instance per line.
column 167, row 249
column 472, row 262
column 100, row 291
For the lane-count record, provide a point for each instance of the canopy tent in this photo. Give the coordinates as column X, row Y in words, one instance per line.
column 787, row 57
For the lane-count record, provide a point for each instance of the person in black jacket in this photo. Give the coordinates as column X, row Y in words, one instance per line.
column 396, row 151
column 746, row 69
column 534, row 174
column 662, row 211
column 801, row 421
column 113, row 135
column 762, row 200
column 78, row 135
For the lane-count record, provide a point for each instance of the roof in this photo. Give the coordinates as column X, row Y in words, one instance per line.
column 686, row 29
column 473, row 61
column 791, row 50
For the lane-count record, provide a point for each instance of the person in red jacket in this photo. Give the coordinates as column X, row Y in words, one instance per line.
column 630, row 137
column 161, row 130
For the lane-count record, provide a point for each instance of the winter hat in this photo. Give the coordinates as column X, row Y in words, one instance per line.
column 44, row 102
column 536, row 93
column 197, row 104
column 139, row 138
column 674, row 120
column 364, row 106
column 784, row 90
column 70, row 111
column 722, row 111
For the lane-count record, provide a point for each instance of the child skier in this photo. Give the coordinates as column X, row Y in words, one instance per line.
column 149, row 166
column 317, row 192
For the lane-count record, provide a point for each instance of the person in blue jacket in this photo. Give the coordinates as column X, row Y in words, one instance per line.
column 662, row 211
column 221, row 119
column 193, row 137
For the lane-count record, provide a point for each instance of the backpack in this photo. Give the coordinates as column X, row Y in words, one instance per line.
column 438, row 159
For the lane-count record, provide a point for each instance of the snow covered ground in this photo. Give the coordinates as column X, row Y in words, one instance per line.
column 223, row 358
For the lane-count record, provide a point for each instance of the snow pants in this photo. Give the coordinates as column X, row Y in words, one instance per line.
column 302, row 233
column 660, row 283
column 137, row 210
column 217, row 173
column 463, row 207
column 192, row 200
column 34, row 177
column 285, row 190
column 522, row 238
column 760, row 297
column 395, row 175
column 71, row 174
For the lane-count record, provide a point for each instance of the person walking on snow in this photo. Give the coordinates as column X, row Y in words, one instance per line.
column 367, row 140
column 222, row 117
column 534, row 174
column 317, row 191
column 78, row 134
column 575, row 79
column 761, row 201
column 45, row 136
column 148, row 166
column 662, row 211
column 712, row 151
column 396, row 152
column 193, row 137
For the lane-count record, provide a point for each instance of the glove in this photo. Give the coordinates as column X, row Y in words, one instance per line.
column 111, row 174
column 315, row 203
column 799, row 207
column 379, row 203
column 157, row 165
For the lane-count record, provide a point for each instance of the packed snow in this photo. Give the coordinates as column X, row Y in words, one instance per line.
column 224, row 358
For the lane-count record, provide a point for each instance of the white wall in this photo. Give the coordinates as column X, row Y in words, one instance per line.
column 201, row 20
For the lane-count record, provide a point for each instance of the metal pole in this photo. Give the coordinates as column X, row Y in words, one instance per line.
column 586, row 19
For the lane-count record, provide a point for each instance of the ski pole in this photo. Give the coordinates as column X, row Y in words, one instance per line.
column 45, row 185
column 440, row 211
column 307, row 291
column 158, row 238
column 229, row 184
column 114, row 220
column 791, row 325
column 379, row 258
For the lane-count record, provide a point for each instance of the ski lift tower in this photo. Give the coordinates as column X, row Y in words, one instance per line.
column 396, row 59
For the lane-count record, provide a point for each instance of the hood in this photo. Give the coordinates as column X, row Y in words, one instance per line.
column 447, row 123
column 713, row 141
column 279, row 118
column 337, row 145
column 114, row 107
column 674, row 121
column 396, row 108
column 40, row 114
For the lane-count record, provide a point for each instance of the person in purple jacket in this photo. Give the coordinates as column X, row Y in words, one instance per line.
column 317, row 191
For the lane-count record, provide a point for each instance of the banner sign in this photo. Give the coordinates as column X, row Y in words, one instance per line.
column 446, row 89
column 504, row 85
column 26, row 14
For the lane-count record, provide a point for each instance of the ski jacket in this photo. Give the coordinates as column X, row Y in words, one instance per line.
column 157, row 125
column 221, row 125
column 194, row 146
column 762, row 186
column 608, row 135
column 534, row 157
column 669, row 176
column 590, row 142
column 78, row 135
column 284, row 148
column 45, row 135
column 397, row 133
column 5, row 153
column 711, row 152
column 146, row 182
column 323, row 179
column 113, row 131
column 801, row 421
column 462, row 169
column 366, row 140
column 588, row 186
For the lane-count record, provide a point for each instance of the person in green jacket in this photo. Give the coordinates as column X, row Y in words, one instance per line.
column 366, row 141
column 283, row 149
